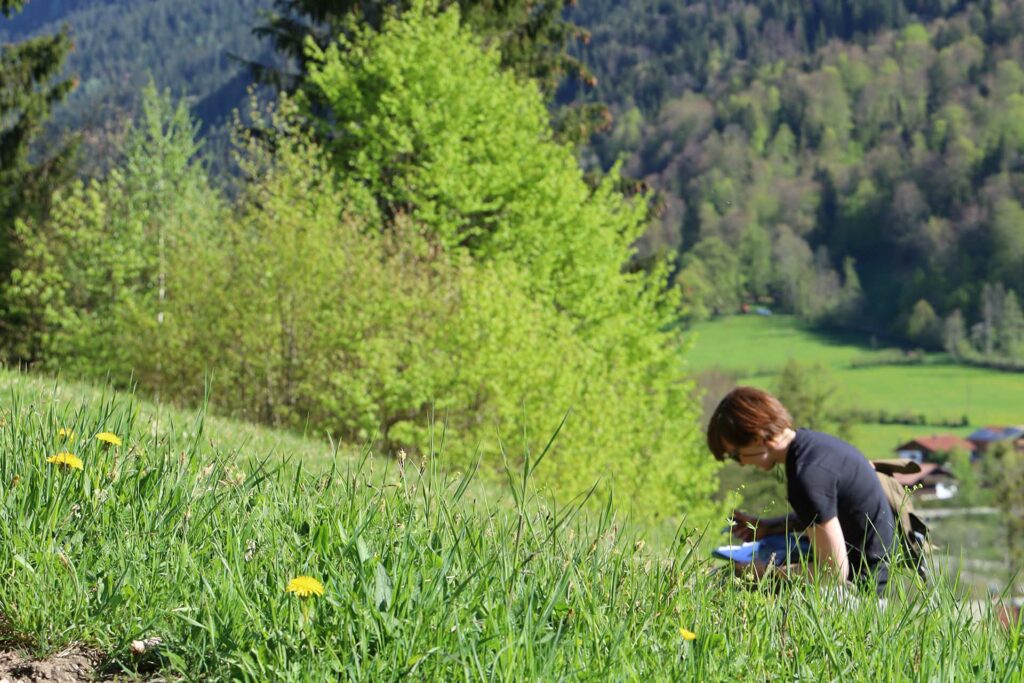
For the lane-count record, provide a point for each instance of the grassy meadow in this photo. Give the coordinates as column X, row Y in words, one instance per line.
column 756, row 347
column 186, row 535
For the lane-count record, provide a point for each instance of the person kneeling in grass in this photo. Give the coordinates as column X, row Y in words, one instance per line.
column 833, row 490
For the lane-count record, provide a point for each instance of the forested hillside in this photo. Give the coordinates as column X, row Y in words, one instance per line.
column 858, row 163
column 187, row 47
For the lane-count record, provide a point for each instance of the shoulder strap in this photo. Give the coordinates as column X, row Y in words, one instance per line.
column 899, row 500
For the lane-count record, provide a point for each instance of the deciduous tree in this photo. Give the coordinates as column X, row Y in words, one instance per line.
column 532, row 37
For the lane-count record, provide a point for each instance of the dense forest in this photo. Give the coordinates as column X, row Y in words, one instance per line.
column 197, row 49
column 857, row 163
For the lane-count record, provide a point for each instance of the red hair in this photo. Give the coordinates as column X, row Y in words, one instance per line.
column 746, row 414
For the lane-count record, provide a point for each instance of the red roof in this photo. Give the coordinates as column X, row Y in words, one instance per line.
column 939, row 443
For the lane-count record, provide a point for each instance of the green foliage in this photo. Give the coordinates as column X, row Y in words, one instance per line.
column 923, row 325
column 1008, row 238
column 430, row 127
column 1009, row 495
column 954, row 335
column 186, row 46
column 968, row 482
column 9, row 7
column 481, row 171
column 710, row 280
column 531, row 37
column 90, row 288
column 896, row 145
column 808, row 392
column 442, row 259
column 996, row 339
column 1010, row 335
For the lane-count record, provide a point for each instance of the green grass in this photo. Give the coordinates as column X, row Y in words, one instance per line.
column 938, row 390
column 756, row 347
column 751, row 344
column 179, row 536
column 244, row 438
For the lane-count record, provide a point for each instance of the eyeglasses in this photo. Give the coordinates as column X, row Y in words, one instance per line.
column 736, row 456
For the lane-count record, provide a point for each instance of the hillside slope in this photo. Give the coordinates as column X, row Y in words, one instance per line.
column 858, row 163
column 165, row 553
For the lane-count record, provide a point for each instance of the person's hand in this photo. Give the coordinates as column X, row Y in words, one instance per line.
column 747, row 527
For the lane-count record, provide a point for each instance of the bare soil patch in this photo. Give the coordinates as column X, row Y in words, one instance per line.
column 68, row 666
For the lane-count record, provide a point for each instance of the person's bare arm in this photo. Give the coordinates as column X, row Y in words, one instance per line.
column 830, row 558
column 829, row 546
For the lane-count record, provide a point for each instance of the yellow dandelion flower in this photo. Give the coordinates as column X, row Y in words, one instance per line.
column 72, row 462
column 304, row 586
column 108, row 438
column 687, row 635
column 66, row 434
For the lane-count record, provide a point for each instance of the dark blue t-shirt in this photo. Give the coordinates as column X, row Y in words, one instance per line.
column 827, row 477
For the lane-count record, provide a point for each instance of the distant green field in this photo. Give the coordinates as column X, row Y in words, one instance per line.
column 751, row 344
column 755, row 347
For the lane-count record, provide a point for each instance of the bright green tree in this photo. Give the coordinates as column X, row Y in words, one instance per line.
column 808, row 392
column 1010, row 332
column 440, row 132
column 716, row 265
column 92, row 279
column 968, row 485
column 696, row 291
column 1008, row 494
column 756, row 258
column 923, row 325
column 427, row 122
column 532, row 36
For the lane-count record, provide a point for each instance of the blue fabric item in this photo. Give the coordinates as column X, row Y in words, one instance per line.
column 777, row 549
column 742, row 554
column 783, row 548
